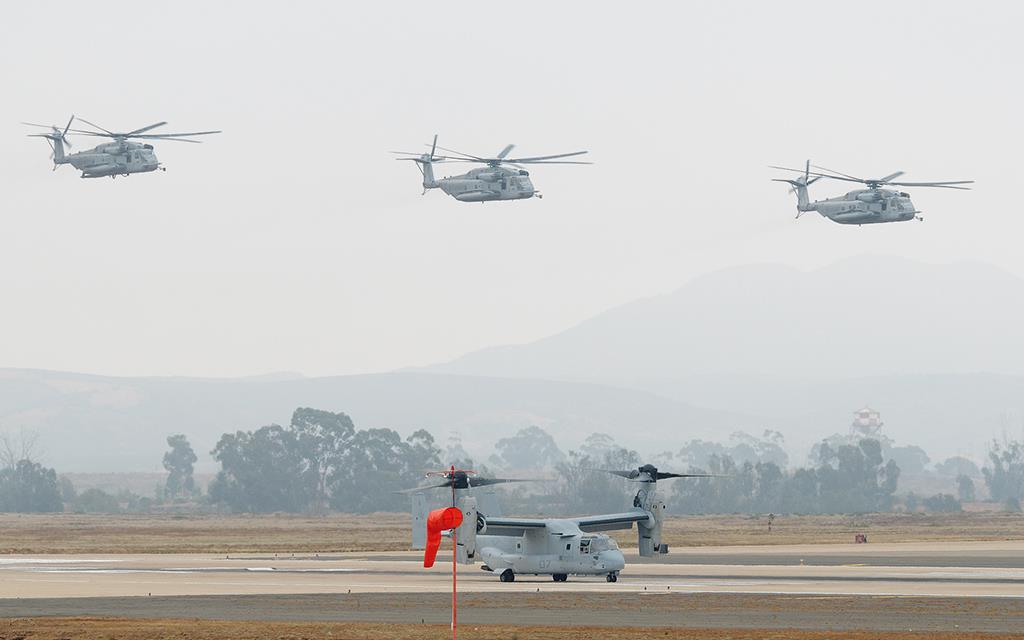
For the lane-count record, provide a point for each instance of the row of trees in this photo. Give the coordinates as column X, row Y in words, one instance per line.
column 321, row 462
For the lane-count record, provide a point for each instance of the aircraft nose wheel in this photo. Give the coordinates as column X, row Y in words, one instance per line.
column 507, row 576
column 559, row 577
column 612, row 577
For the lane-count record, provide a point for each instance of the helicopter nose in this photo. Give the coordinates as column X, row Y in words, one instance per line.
column 613, row 560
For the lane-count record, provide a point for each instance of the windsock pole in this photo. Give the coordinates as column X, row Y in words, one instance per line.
column 455, row 549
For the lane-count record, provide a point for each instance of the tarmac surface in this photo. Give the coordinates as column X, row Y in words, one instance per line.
column 921, row 586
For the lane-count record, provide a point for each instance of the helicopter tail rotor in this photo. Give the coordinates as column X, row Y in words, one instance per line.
column 56, row 138
column 799, row 186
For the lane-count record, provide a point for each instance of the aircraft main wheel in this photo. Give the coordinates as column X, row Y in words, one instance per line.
column 507, row 576
column 559, row 577
column 612, row 577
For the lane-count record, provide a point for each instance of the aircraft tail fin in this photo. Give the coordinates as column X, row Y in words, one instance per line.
column 799, row 186
column 57, row 140
column 419, row 520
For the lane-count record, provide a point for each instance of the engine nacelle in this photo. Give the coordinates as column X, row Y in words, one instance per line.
column 465, row 535
column 649, row 531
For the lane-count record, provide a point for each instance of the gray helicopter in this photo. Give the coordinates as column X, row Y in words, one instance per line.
column 558, row 547
column 491, row 182
column 122, row 157
column 873, row 205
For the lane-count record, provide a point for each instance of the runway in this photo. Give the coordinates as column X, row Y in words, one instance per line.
column 977, row 585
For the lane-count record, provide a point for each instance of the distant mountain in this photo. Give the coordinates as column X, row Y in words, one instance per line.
column 865, row 316
column 939, row 349
column 94, row 423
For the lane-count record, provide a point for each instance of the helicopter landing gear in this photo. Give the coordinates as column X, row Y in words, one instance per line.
column 919, row 218
column 612, row 577
column 559, row 577
column 507, row 576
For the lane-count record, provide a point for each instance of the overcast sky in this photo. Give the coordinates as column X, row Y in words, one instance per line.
column 295, row 242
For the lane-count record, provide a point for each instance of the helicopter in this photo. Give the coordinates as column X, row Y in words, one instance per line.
column 122, row 157
column 873, row 205
column 484, row 184
column 558, row 547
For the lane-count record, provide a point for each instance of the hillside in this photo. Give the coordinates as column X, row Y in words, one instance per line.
column 97, row 423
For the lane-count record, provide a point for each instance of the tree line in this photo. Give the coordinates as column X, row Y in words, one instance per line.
column 320, row 462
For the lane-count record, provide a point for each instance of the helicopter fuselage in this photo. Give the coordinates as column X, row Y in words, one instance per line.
column 866, row 206
column 486, row 184
column 113, row 159
column 560, row 549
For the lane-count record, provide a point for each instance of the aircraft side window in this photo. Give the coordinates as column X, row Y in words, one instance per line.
column 519, row 545
column 568, row 546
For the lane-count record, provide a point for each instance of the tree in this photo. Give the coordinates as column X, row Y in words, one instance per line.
column 29, row 487
column 323, row 439
column 957, row 466
column 179, row 463
column 529, row 448
column 942, row 503
column 96, row 501
column 965, row 488
column 1005, row 476
column 910, row 458
column 587, row 489
column 15, row 448
column 262, row 471
column 377, row 465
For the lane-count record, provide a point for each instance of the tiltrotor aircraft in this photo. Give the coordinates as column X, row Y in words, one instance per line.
column 861, row 206
column 118, row 158
column 558, row 547
column 491, row 182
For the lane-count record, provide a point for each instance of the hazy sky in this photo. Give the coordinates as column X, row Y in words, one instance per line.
column 295, row 242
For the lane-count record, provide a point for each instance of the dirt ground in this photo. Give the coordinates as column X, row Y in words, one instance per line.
column 79, row 534
column 106, row 628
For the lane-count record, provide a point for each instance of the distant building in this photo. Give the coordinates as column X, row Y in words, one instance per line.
column 867, row 423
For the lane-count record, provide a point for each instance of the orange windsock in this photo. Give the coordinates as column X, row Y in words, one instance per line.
column 439, row 520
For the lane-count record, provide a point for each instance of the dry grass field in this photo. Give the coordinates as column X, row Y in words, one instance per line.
column 75, row 533
column 122, row 629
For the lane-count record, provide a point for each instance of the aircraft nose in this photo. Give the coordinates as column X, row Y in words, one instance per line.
column 613, row 560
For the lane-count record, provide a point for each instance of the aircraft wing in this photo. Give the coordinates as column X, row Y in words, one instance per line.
column 611, row 521
column 513, row 526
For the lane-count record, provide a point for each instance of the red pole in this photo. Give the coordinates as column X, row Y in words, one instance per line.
column 455, row 549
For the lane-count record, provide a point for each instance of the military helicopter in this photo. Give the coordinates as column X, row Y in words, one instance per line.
column 558, row 547
column 873, row 205
column 491, row 182
column 118, row 158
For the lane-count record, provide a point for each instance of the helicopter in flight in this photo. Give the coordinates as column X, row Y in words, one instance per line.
column 121, row 157
column 872, row 205
column 494, row 181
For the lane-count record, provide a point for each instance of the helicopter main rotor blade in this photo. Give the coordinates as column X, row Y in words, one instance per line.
column 168, row 139
column 949, row 184
column 536, row 158
column 504, row 152
column 820, row 175
column 838, row 173
column 97, row 126
column 157, row 136
column 548, row 162
column 483, row 482
column 466, row 155
column 426, row 488
column 887, row 178
column 145, row 129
